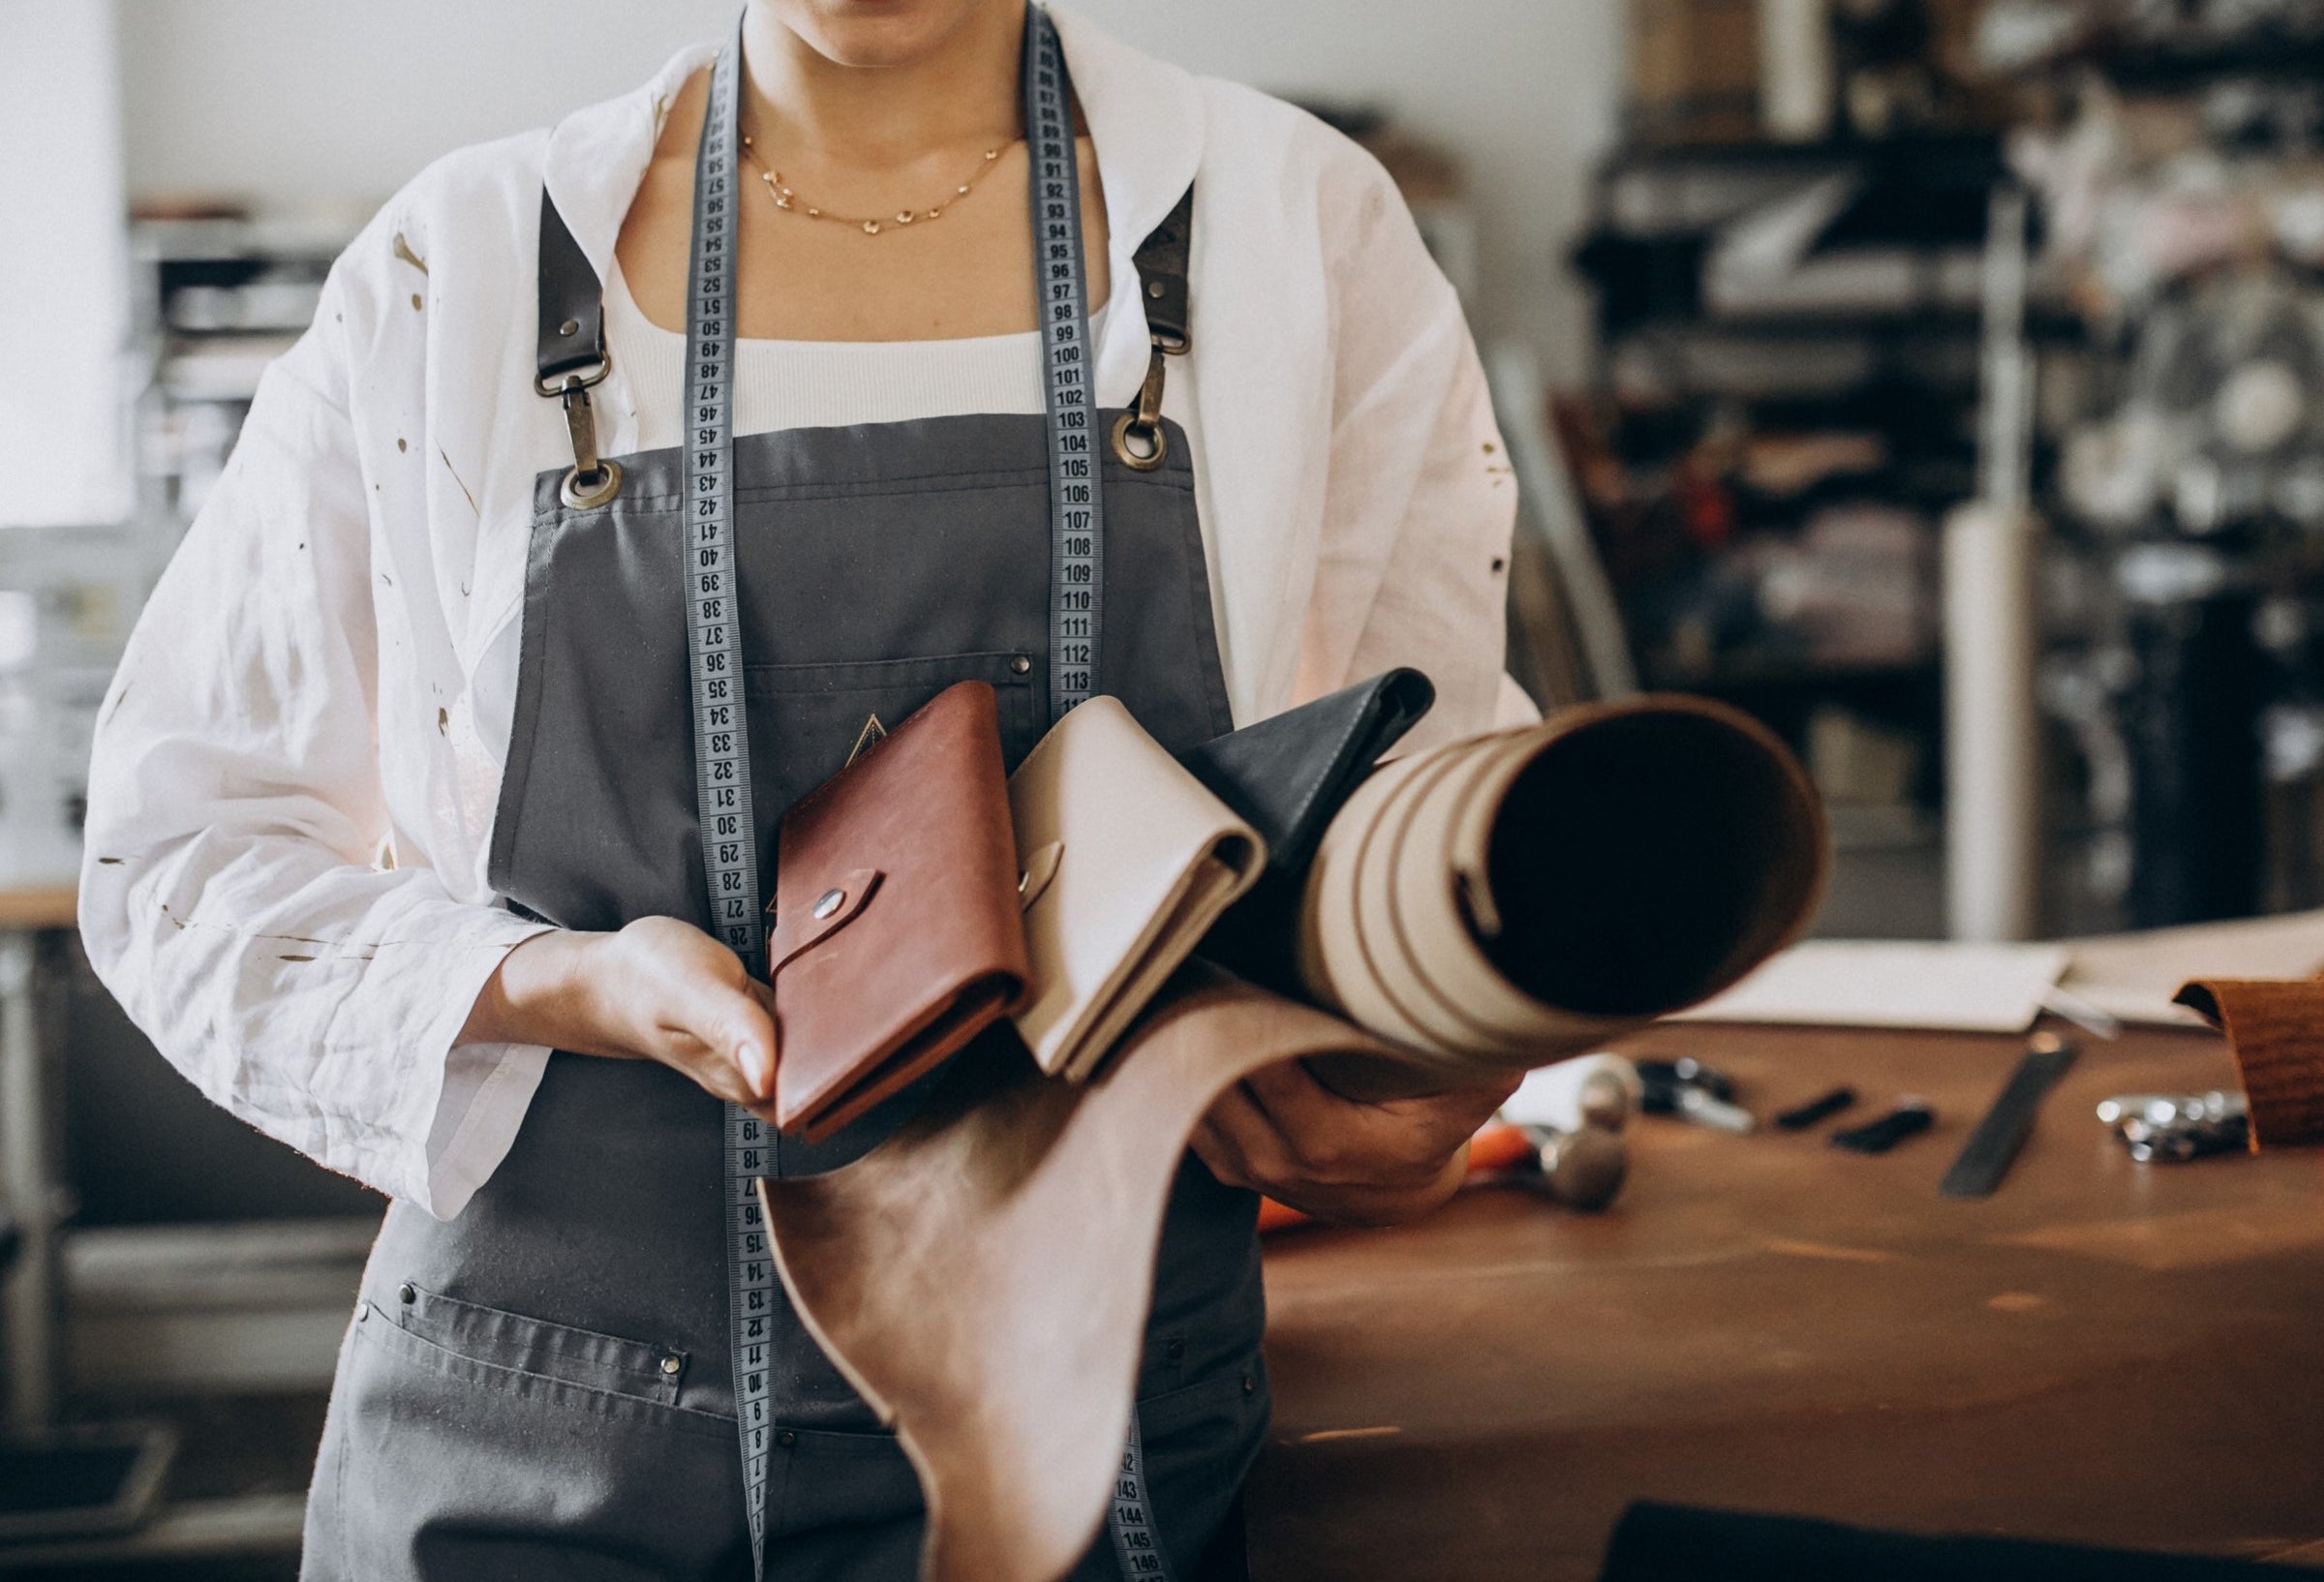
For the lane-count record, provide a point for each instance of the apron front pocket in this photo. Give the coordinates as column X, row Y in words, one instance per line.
column 488, row 1345
column 805, row 720
column 452, row 1465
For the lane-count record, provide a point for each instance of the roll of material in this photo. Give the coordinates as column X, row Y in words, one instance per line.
column 1991, row 742
column 1503, row 900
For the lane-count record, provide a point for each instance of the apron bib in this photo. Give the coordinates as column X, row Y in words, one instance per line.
column 543, row 1385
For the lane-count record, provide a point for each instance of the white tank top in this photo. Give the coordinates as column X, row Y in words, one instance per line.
column 803, row 385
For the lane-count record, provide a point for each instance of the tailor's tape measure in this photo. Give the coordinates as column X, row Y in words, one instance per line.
column 730, row 822
column 715, row 649
column 1131, row 1520
column 1075, row 508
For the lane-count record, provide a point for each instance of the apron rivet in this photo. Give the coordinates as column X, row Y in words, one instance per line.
column 1251, row 1386
column 1176, row 1350
column 571, row 326
column 407, row 1294
column 1020, row 665
column 786, row 1437
column 671, row 1364
column 362, row 1311
column 828, row 902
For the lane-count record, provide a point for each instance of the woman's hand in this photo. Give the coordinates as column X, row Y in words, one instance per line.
column 660, row 990
column 1282, row 1133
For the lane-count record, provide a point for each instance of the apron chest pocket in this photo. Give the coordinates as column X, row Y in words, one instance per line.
column 605, row 1364
column 805, row 720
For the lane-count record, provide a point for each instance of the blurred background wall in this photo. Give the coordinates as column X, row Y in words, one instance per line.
column 1524, row 95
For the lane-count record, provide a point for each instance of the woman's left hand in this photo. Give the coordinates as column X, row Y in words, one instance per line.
column 1282, row 1133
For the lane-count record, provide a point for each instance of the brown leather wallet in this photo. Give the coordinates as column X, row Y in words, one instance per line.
column 898, row 934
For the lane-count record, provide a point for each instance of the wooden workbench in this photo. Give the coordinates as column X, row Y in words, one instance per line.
column 2104, row 1351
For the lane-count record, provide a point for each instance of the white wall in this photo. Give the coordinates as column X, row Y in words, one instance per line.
column 336, row 102
column 64, row 285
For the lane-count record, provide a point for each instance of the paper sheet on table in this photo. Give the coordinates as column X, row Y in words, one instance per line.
column 2133, row 976
column 1850, row 983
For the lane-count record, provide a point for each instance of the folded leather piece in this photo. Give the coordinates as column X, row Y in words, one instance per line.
column 982, row 1278
column 1286, row 777
column 2276, row 1030
column 897, row 932
column 1501, row 900
column 1127, row 861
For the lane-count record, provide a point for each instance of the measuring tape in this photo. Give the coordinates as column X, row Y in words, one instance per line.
column 712, row 584
column 714, row 648
column 1076, row 514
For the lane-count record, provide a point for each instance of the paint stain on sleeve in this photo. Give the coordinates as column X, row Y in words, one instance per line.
column 403, row 250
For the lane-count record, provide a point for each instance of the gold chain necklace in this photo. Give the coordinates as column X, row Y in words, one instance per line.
column 786, row 198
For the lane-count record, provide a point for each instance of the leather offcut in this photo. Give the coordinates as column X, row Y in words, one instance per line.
column 2275, row 1032
column 982, row 1278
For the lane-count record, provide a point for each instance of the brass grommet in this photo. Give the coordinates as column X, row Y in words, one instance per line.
column 1131, row 458
column 587, row 494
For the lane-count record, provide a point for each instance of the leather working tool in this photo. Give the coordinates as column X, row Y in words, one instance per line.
column 982, row 1277
column 1127, row 863
column 1985, row 1158
column 1910, row 1117
column 1815, row 1111
column 895, row 936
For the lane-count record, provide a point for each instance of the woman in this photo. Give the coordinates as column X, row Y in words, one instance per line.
column 394, row 795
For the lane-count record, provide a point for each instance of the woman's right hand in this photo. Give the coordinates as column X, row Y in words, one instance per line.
column 658, row 990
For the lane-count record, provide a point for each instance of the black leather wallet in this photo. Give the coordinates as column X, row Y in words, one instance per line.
column 1286, row 777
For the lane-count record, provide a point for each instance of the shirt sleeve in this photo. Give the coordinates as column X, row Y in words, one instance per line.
column 1420, row 499
column 235, row 894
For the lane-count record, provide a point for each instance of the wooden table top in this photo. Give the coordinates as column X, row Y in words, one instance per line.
column 52, row 906
column 2102, row 1352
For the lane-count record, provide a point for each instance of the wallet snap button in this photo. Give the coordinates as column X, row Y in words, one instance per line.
column 828, row 902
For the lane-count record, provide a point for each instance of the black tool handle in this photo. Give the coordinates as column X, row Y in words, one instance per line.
column 1986, row 1156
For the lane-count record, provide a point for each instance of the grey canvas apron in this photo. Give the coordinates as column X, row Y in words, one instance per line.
column 542, row 1386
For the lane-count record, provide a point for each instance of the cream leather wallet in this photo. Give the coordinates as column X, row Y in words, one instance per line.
column 1127, row 863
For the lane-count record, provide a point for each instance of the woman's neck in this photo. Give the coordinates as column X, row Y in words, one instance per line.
column 812, row 109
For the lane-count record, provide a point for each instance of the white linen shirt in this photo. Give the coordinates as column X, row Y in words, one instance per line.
column 296, row 769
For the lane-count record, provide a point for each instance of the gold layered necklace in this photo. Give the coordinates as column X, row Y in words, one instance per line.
column 786, row 199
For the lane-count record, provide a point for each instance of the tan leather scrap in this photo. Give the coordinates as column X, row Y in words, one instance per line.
column 2276, row 1030
column 982, row 1278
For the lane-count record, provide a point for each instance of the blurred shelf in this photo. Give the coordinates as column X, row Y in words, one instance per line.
column 1740, row 674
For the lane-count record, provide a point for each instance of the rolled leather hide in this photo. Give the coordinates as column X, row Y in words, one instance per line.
column 1500, row 902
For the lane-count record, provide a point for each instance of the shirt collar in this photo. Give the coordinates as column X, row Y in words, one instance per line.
column 1144, row 115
